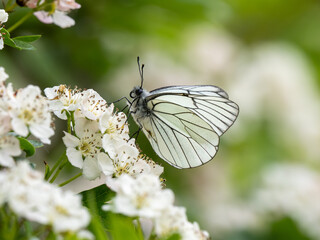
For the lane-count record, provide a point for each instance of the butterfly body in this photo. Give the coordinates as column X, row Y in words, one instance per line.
column 183, row 123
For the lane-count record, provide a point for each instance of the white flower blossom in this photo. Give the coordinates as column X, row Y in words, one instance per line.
column 65, row 213
column 83, row 150
column 114, row 126
column 3, row 19
column 63, row 99
column 92, row 104
column 171, row 221
column 9, row 147
column 36, row 200
column 142, row 196
column 30, row 112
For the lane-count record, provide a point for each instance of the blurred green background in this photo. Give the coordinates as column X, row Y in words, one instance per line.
column 264, row 181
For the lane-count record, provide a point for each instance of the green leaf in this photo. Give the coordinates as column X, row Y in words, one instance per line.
column 123, row 228
column 21, row 43
column 94, row 199
column 36, row 144
column 26, row 146
column 29, row 38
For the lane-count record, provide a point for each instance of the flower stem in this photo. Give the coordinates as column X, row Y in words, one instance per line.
column 59, row 170
column 22, row 20
column 70, row 180
column 62, row 157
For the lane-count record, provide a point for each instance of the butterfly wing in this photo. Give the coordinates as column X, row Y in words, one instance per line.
column 186, row 121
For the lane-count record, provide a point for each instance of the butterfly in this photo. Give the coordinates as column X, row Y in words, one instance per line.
column 183, row 123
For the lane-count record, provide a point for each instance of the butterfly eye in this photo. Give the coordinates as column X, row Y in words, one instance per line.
column 139, row 91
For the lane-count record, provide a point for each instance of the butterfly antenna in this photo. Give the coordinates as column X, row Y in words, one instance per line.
column 140, row 70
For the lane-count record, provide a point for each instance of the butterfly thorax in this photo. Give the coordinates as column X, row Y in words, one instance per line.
column 138, row 106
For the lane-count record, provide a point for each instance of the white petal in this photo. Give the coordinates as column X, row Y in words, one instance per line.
column 51, row 93
column 91, row 169
column 106, row 164
column 75, row 157
column 70, row 141
column 6, row 160
column 62, row 20
column 3, row 16
column 3, row 75
column 1, row 43
column 42, row 132
column 43, row 17
column 19, row 127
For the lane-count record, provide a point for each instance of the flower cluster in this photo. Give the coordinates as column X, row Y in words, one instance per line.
column 99, row 141
column 143, row 196
column 54, row 11
column 25, row 192
column 3, row 19
column 24, row 112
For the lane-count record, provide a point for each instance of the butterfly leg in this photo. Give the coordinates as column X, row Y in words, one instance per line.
column 120, row 99
column 136, row 134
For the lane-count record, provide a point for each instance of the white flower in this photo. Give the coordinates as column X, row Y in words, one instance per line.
column 142, row 196
column 29, row 196
column 3, row 19
column 172, row 220
column 30, row 111
column 63, row 98
column 192, row 232
column 83, row 150
column 92, row 104
column 114, row 125
column 3, row 75
column 9, row 147
column 65, row 212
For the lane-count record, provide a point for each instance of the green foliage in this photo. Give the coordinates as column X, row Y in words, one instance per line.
column 29, row 146
column 21, row 42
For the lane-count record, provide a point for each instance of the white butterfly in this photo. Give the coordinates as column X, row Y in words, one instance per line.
column 183, row 123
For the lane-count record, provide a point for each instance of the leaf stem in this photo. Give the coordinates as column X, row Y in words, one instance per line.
column 18, row 23
column 70, row 180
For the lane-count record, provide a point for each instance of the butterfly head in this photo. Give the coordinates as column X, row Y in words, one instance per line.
column 136, row 92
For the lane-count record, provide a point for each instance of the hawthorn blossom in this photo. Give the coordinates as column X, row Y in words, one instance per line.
column 30, row 197
column 84, row 148
column 142, row 196
column 114, row 126
column 171, row 221
column 29, row 111
column 65, row 213
column 3, row 19
column 63, row 99
column 93, row 105
column 58, row 15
